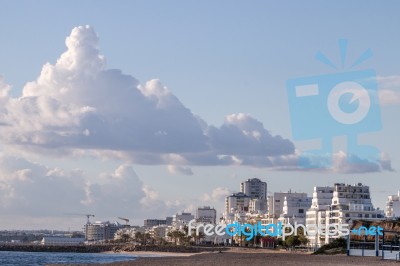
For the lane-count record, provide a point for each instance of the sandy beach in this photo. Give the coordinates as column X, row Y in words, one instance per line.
column 251, row 257
column 150, row 254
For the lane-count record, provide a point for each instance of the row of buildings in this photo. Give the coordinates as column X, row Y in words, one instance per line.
column 157, row 228
column 329, row 205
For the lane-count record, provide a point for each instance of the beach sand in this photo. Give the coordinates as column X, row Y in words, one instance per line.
column 150, row 254
column 253, row 258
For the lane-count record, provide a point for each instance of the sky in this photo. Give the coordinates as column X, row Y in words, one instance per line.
column 141, row 109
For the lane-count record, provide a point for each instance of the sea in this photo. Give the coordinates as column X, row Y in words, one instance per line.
column 15, row 258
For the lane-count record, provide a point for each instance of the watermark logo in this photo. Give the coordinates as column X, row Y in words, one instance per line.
column 371, row 231
column 279, row 230
column 340, row 104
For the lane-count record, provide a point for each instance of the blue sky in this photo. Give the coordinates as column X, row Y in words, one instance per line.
column 218, row 59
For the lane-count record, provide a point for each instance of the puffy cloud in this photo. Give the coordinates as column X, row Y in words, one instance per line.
column 79, row 104
column 244, row 135
column 33, row 190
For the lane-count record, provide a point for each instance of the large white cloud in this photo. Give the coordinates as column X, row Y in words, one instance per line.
column 77, row 103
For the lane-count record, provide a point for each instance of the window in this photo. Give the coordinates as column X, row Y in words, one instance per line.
column 277, row 200
column 301, row 210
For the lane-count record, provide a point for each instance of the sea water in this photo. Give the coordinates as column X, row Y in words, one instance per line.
column 15, row 258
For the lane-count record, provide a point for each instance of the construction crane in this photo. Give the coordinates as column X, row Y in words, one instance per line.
column 125, row 219
column 82, row 214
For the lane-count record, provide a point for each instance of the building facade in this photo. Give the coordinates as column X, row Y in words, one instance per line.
column 393, row 206
column 154, row 222
column 279, row 202
column 295, row 208
column 316, row 215
column 180, row 220
column 348, row 203
column 206, row 214
column 254, row 188
column 101, row 231
column 237, row 202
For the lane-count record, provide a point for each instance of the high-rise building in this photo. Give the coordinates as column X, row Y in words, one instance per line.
column 393, row 206
column 206, row 214
column 254, row 188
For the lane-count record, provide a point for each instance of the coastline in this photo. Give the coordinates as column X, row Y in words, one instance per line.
column 236, row 258
column 150, row 254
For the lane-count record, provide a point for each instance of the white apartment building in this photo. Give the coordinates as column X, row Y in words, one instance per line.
column 279, row 202
column 295, row 208
column 322, row 199
column 254, row 188
column 352, row 202
column 206, row 214
column 100, row 231
column 348, row 203
column 393, row 206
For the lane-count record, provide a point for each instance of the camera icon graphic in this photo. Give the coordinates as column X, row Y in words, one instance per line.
column 342, row 104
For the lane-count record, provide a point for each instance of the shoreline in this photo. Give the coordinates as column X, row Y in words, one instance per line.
column 152, row 254
column 236, row 258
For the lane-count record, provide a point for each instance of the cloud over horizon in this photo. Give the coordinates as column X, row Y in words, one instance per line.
column 77, row 104
column 35, row 190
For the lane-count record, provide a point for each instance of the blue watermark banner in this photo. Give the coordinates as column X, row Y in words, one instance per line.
column 339, row 104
